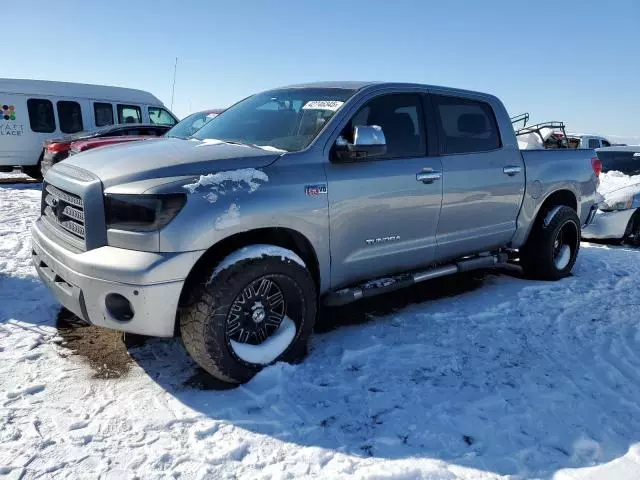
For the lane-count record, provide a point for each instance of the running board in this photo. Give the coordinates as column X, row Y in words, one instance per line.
column 396, row 282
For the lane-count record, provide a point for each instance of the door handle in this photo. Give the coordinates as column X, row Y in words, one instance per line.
column 428, row 176
column 512, row 170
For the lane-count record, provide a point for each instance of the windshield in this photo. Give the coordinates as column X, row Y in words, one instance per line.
column 287, row 119
column 189, row 125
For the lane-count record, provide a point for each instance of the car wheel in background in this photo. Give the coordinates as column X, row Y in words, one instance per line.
column 632, row 234
column 34, row 171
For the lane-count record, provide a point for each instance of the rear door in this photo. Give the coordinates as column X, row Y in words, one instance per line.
column 483, row 182
column 382, row 216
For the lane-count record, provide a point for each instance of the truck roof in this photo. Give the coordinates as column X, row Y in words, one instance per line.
column 358, row 85
column 70, row 89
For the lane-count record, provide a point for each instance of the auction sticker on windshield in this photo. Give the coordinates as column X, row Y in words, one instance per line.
column 332, row 105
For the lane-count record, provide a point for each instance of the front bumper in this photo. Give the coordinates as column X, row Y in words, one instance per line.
column 608, row 225
column 151, row 282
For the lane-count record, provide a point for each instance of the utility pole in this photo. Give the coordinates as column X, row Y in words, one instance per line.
column 173, row 89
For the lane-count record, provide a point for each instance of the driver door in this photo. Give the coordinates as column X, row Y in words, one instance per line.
column 384, row 210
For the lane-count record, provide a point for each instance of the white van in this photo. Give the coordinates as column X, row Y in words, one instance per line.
column 35, row 110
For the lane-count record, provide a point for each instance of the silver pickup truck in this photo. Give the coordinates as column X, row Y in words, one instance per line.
column 298, row 197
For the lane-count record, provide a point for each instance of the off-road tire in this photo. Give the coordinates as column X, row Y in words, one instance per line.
column 203, row 319
column 537, row 255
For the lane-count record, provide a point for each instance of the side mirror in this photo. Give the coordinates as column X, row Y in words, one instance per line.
column 368, row 141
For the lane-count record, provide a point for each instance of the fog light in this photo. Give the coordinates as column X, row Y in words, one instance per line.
column 119, row 307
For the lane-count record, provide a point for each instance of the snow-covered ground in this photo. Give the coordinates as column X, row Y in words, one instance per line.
column 502, row 377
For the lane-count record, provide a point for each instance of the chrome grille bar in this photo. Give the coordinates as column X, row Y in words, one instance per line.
column 66, row 197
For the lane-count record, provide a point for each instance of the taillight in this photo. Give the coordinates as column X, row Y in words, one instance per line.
column 58, row 147
column 596, row 164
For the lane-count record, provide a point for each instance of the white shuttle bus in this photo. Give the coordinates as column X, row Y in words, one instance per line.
column 33, row 111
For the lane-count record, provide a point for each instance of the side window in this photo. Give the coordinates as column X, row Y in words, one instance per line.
column 160, row 116
column 69, row 116
column 129, row 114
column 197, row 124
column 594, row 143
column 605, row 143
column 400, row 117
column 465, row 125
column 41, row 117
column 103, row 114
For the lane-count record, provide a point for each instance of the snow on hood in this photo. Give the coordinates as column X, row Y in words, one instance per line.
column 221, row 183
column 617, row 184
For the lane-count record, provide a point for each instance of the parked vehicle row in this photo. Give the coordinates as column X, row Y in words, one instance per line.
column 327, row 192
column 34, row 111
column 56, row 150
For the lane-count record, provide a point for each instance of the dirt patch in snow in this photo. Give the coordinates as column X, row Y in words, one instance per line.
column 104, row 350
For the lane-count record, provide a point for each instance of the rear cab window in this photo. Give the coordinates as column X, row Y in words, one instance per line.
column 129, row 114
column 594, row 143
column 69, row 116
column 103, row 114
column 465, row 125
column 41, row 116
column 160, row 116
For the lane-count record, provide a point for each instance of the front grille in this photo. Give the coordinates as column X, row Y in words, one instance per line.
column 64, row 211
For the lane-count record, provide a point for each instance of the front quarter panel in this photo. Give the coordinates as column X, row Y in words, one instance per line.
column 292, row 196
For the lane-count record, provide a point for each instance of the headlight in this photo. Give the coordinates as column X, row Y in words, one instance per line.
column 142, row 213
column 616, row 204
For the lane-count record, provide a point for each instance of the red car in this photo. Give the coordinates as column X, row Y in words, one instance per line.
column 84, row 145
column 57, row 150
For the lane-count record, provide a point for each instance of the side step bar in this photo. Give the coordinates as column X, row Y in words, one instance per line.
column 396, row 282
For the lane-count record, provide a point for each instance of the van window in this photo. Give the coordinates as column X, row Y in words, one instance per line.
column 129, row 114
column 103, row 113
column 594, row 143
column 41, row 116
column 466, row 125
column 160, row 116
column 69, row 116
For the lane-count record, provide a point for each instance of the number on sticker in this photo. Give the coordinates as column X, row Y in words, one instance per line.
column 331, row 105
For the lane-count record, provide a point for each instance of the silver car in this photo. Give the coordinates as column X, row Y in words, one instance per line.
column 618, row 215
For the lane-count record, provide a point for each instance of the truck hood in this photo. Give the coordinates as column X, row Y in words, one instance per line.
column 168, row 157
column 620, row 193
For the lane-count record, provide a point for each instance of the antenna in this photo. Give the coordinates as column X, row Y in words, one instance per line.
column 173, row 89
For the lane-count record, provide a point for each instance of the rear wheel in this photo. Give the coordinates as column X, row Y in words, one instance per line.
column 250, row 314
column 552, row 247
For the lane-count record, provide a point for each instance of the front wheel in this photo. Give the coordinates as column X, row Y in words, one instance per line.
column 552, row 247
column 252, row 310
